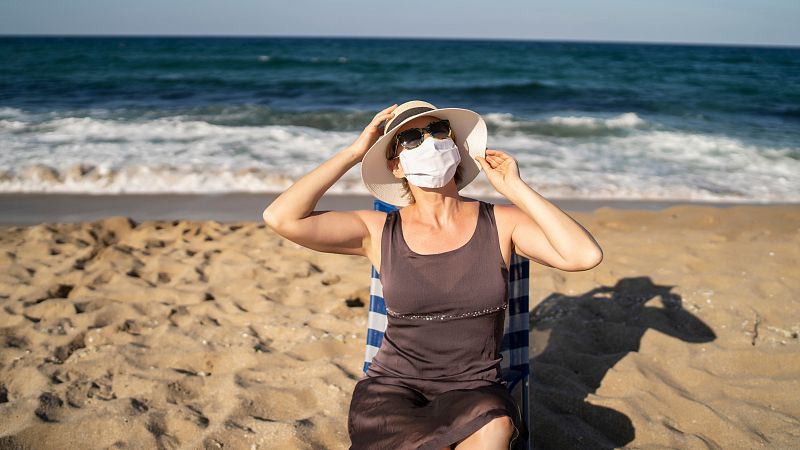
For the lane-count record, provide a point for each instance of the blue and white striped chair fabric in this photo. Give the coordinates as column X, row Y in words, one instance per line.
column 515, row 365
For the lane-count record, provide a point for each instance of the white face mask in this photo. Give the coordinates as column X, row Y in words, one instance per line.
column 432, row 164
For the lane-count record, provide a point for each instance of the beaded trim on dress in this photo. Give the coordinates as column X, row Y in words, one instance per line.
column 446, row 316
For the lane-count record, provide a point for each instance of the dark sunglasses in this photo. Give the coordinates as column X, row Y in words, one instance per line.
column 413, row 137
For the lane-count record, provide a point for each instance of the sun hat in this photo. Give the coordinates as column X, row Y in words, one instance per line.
column 470, row 137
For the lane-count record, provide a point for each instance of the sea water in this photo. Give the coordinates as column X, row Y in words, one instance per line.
column 586, row 120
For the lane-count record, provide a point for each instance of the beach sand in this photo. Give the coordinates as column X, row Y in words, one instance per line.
column 127, row 333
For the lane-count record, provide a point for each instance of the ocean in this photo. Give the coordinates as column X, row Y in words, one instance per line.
column 108, row 115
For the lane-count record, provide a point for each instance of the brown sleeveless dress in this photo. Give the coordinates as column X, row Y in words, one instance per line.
column 436, row 377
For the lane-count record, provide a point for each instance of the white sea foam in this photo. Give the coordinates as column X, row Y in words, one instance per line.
column 626, row 120
column 182, row 154
column 656, row 164
column 499, row 119
column 12, row 113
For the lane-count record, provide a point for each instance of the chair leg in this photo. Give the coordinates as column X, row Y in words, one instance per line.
column 526, row 411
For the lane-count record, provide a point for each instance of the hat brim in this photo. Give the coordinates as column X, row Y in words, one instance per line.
column 470, row 137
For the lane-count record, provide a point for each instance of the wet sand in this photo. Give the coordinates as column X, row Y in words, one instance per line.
column 30, row 209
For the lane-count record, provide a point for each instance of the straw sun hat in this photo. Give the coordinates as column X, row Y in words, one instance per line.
column 470, row 137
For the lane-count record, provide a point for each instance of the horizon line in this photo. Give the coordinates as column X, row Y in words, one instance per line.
column 444, row 38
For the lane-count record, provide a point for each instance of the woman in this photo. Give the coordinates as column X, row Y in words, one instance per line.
column 442, row 258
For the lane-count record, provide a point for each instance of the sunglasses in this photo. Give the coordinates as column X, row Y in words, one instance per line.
column 413, row 137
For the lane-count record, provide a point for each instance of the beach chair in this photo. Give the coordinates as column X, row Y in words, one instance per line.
column 515, row 365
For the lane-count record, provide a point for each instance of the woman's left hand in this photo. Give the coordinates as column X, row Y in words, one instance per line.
column 500, row 168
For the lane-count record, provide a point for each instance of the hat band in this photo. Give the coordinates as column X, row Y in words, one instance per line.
column 406, row 114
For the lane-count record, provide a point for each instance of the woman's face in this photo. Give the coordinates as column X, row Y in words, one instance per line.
column 419, row 122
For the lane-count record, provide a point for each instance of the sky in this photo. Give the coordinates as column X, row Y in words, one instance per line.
column 750, row 22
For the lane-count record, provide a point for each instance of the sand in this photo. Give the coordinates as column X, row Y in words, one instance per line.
column 122, row 333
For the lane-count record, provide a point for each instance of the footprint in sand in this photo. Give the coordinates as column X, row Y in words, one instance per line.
column 80, row 393
column 50, row 407
column 276, row 404
column 139, row 406
column 180, row 391
column 157, row 426
column 63, row 352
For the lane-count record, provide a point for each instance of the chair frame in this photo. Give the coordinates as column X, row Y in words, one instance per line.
column 515, row 366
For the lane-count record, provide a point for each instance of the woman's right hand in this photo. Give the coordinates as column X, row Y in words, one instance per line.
column 371, row 133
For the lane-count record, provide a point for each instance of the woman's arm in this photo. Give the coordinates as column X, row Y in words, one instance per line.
column 292, row 214
column 541, row 231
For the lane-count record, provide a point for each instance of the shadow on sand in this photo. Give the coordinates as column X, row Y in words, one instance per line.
column 588, row 335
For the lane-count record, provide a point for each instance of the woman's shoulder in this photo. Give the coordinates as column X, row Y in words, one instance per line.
column 507, row 216
column 372, row 217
